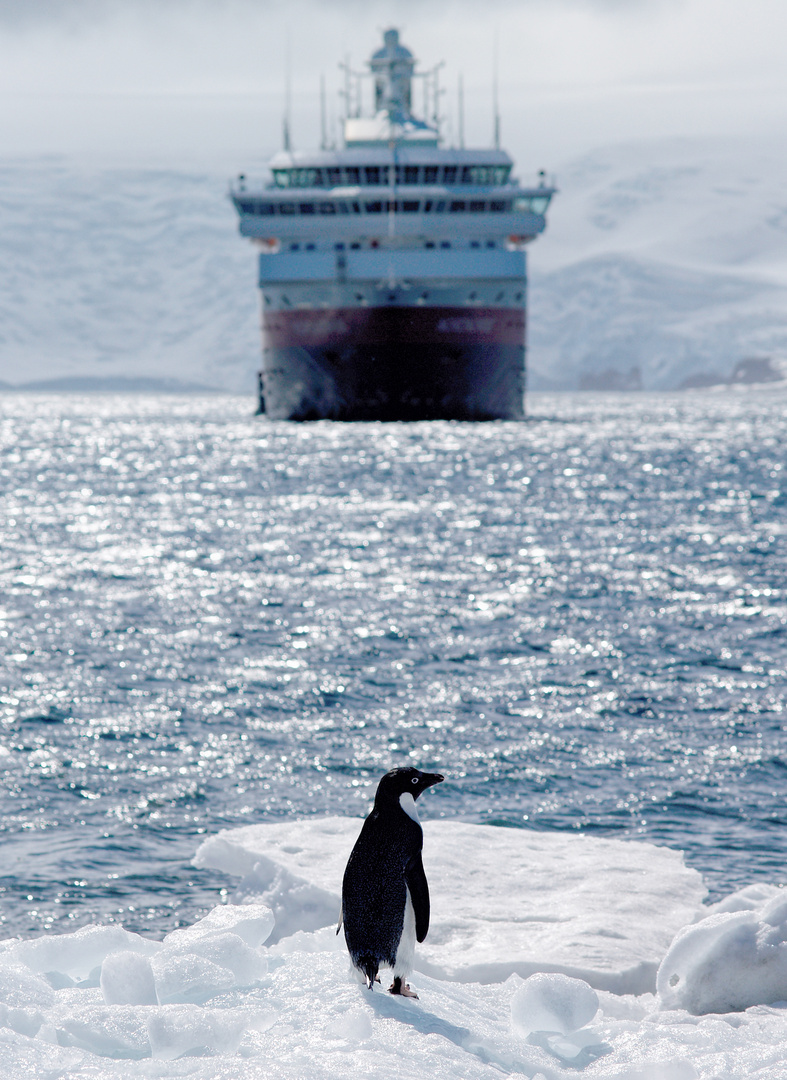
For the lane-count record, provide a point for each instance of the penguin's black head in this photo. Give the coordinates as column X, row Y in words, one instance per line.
column 405, row 782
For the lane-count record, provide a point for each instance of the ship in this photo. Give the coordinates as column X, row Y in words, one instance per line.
column 392, row 267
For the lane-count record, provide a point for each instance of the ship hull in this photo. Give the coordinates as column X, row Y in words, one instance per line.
column 394, row 363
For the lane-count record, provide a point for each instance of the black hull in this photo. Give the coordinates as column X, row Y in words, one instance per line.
column 371, row 365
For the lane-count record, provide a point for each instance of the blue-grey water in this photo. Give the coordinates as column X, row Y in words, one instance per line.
column 209, row 620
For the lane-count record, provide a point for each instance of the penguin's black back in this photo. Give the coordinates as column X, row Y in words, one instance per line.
column 374, row 892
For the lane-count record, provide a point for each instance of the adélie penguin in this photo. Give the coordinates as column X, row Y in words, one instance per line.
column 385, row 897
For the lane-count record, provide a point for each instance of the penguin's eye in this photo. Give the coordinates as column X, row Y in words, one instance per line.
column 414, row 780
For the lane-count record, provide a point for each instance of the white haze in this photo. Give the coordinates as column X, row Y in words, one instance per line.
column 200, row 81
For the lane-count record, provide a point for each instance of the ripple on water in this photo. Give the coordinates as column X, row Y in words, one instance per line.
column 211, row 619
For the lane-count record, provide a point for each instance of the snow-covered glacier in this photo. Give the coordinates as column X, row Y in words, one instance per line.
column 664, row 263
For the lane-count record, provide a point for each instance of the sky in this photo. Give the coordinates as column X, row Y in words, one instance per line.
column 202, row 81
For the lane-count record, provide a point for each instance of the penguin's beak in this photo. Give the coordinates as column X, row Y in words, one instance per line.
column 429, row 778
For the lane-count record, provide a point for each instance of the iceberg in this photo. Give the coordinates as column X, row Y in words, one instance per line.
column 550, row 956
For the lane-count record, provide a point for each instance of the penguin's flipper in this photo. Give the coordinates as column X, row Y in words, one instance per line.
column 341, row 920
column 415, row 878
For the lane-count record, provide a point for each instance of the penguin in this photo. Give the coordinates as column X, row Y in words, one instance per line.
column 385, row 896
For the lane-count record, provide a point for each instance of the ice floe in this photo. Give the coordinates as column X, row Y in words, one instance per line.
column 243, row 994
column 505, row 900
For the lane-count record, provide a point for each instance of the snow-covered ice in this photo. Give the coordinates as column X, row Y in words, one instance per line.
column 234, row 996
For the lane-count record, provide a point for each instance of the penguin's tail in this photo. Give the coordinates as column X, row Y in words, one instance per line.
column 369, row 967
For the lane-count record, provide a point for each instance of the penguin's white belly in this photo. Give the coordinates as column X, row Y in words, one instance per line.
column 405, row 954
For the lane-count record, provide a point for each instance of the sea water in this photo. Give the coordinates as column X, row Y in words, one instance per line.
column 209, row 619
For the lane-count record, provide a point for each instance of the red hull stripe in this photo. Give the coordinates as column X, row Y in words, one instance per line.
column 339, row 327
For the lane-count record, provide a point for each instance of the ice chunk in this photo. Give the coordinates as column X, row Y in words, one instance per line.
column 218, row 952
column 503, row 900
column 178, row 1030
column 189, row 978
column 251, row 922
column 729, row 961
column 127, row 979
column 552, row 1003
column 79, row 956
column 113, row 1031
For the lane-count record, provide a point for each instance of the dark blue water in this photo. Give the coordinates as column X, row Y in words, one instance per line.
column 209, row 620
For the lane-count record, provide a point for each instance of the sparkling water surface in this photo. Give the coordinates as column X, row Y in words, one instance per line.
column 208, row 619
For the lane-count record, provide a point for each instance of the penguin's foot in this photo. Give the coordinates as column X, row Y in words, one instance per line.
column 401, row 988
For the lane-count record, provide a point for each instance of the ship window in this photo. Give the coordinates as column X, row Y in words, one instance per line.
column 265, row 208
column 319, row 177
column 497, row 207
column 339, row 247
column 474, row 244
column 353, row 175
column 449, row 174
column 310, row 247
column 286, row 208
column 445, row 244
column 477, row 207
column 501, row 174
column 467, row 175
column 457, row 206
column 342, row 208
column 374, row 208
column 327, row 208
column 246, row 207
column 355, row 247
column 281, row 177
column 410, row 207
column 356, row 208
column 539, row 205
column 491, row 244
column 429, row 244
column 439, row 207
column 334, row 176
column 430, row 174
column 295, row 247
column 411, row 174
column 372, row 174
column 306, row 208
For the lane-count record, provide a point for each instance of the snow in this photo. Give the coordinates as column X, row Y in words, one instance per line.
column 662, row 260
column 733, row 958
column 233, row 996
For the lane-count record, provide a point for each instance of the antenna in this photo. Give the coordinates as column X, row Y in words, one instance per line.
column 323, row 117
column 495, row 100
column 461, row 120
column 287, row 92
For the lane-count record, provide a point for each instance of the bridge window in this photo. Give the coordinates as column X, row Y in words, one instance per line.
column 410, row 207
column 449, row 174
column 327, row 208
column 374, row 208
column 430, row 174
column 286, row 208
column 477, row 206
column 353, row 175
column 457, row 206
column 306, row 208
column 498, row 207
column 334, row 176
column 372, row 174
